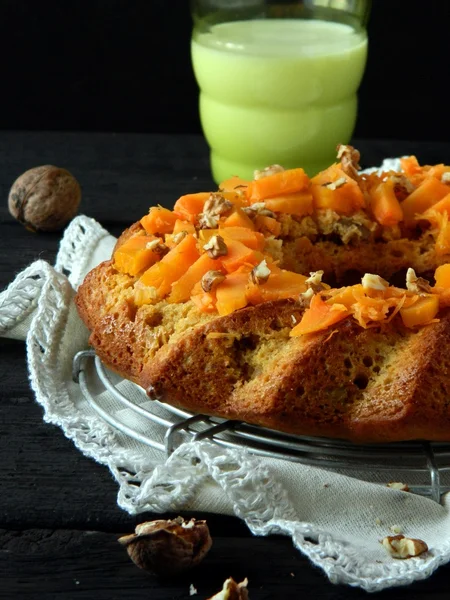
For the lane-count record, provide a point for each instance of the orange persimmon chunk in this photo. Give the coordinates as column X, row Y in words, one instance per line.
column 238, row 255
column 251, row 239
column 443, row 206
column 182, row 288
column 170, row 268
column 284, row 182
column 319, row 316
column 267, row 225
column 410, row 165
column 189, row 206
column 230, row 293
column 443, row 239
column 333, row 189
column 238, row 218
column 346, row 295
column 421, row 312
column 281, row 284
column 134, row 255
column 204, row 301
column 297, row 203
column 233, row 184
column 442, row 276
column 159, row 220
column 385, row 206
column 429, row 192
column 180, row 226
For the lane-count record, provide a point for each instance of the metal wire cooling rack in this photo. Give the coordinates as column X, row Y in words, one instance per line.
column 422, row 462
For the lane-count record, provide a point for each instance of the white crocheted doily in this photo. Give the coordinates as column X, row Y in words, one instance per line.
column 336, row 520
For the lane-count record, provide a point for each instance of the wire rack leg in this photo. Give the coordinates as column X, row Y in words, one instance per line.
column 435, row 476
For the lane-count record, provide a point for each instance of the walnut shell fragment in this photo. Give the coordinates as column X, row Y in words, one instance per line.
column 45, row 198
column 232, row 591
column 168, row 547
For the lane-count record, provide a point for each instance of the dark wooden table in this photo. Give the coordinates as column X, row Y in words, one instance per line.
column 59, row 518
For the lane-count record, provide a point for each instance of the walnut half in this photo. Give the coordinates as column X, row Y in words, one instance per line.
column 400, row 546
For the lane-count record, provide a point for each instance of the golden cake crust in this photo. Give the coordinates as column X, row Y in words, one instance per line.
column 387, row 383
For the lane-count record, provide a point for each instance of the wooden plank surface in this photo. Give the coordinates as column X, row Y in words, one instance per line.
column 58, row 511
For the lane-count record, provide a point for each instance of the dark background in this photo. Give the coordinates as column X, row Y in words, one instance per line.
column 124, row 65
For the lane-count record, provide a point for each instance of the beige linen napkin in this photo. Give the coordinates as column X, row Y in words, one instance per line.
column 335, row 519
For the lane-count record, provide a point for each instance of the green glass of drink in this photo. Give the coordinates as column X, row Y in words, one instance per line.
column 278, row 81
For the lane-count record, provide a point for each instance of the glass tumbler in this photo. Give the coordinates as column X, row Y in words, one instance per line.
column 278, row 80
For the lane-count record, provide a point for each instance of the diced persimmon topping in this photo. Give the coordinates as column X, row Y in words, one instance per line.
column 319, row 316
column 189, row 206
column 333, row 189
column 279, row 285
column 296, row 203
column 172, row 266
column 442, row 277
column 422, row 312
column 182, row 288
column 231, row 293
column 372, row 306
column 384, row 204
column 159, row 221
column 427, row 194
column 281, row 183
column 212, row 249
column 136, row 254
column 238, row 218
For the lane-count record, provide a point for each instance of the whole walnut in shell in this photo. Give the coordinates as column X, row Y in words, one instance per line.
column 168, row 547
column 44, row 198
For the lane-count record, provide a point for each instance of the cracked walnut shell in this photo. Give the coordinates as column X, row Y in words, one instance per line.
column 168, row 547
column 44, row 198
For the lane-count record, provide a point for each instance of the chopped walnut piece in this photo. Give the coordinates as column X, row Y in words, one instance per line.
column 304, row 298
column 258, row 208
column 260, row 274
column 267, row 171
column 398, row 485
column 395, row 529
column 402, row 186
column 314, row 281
column 349, row 158
column 157, row 247
column 178, row 237
column 334, row 185
column 216, row 247
column 211, row 280
column 208, row 221
column 446, row 177
column 232, row 591
column 374, row 282
column 417, row 285
column 215, row 207
column 400, row 546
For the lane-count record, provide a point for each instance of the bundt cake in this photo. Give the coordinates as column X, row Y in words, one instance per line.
column 311, row 306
